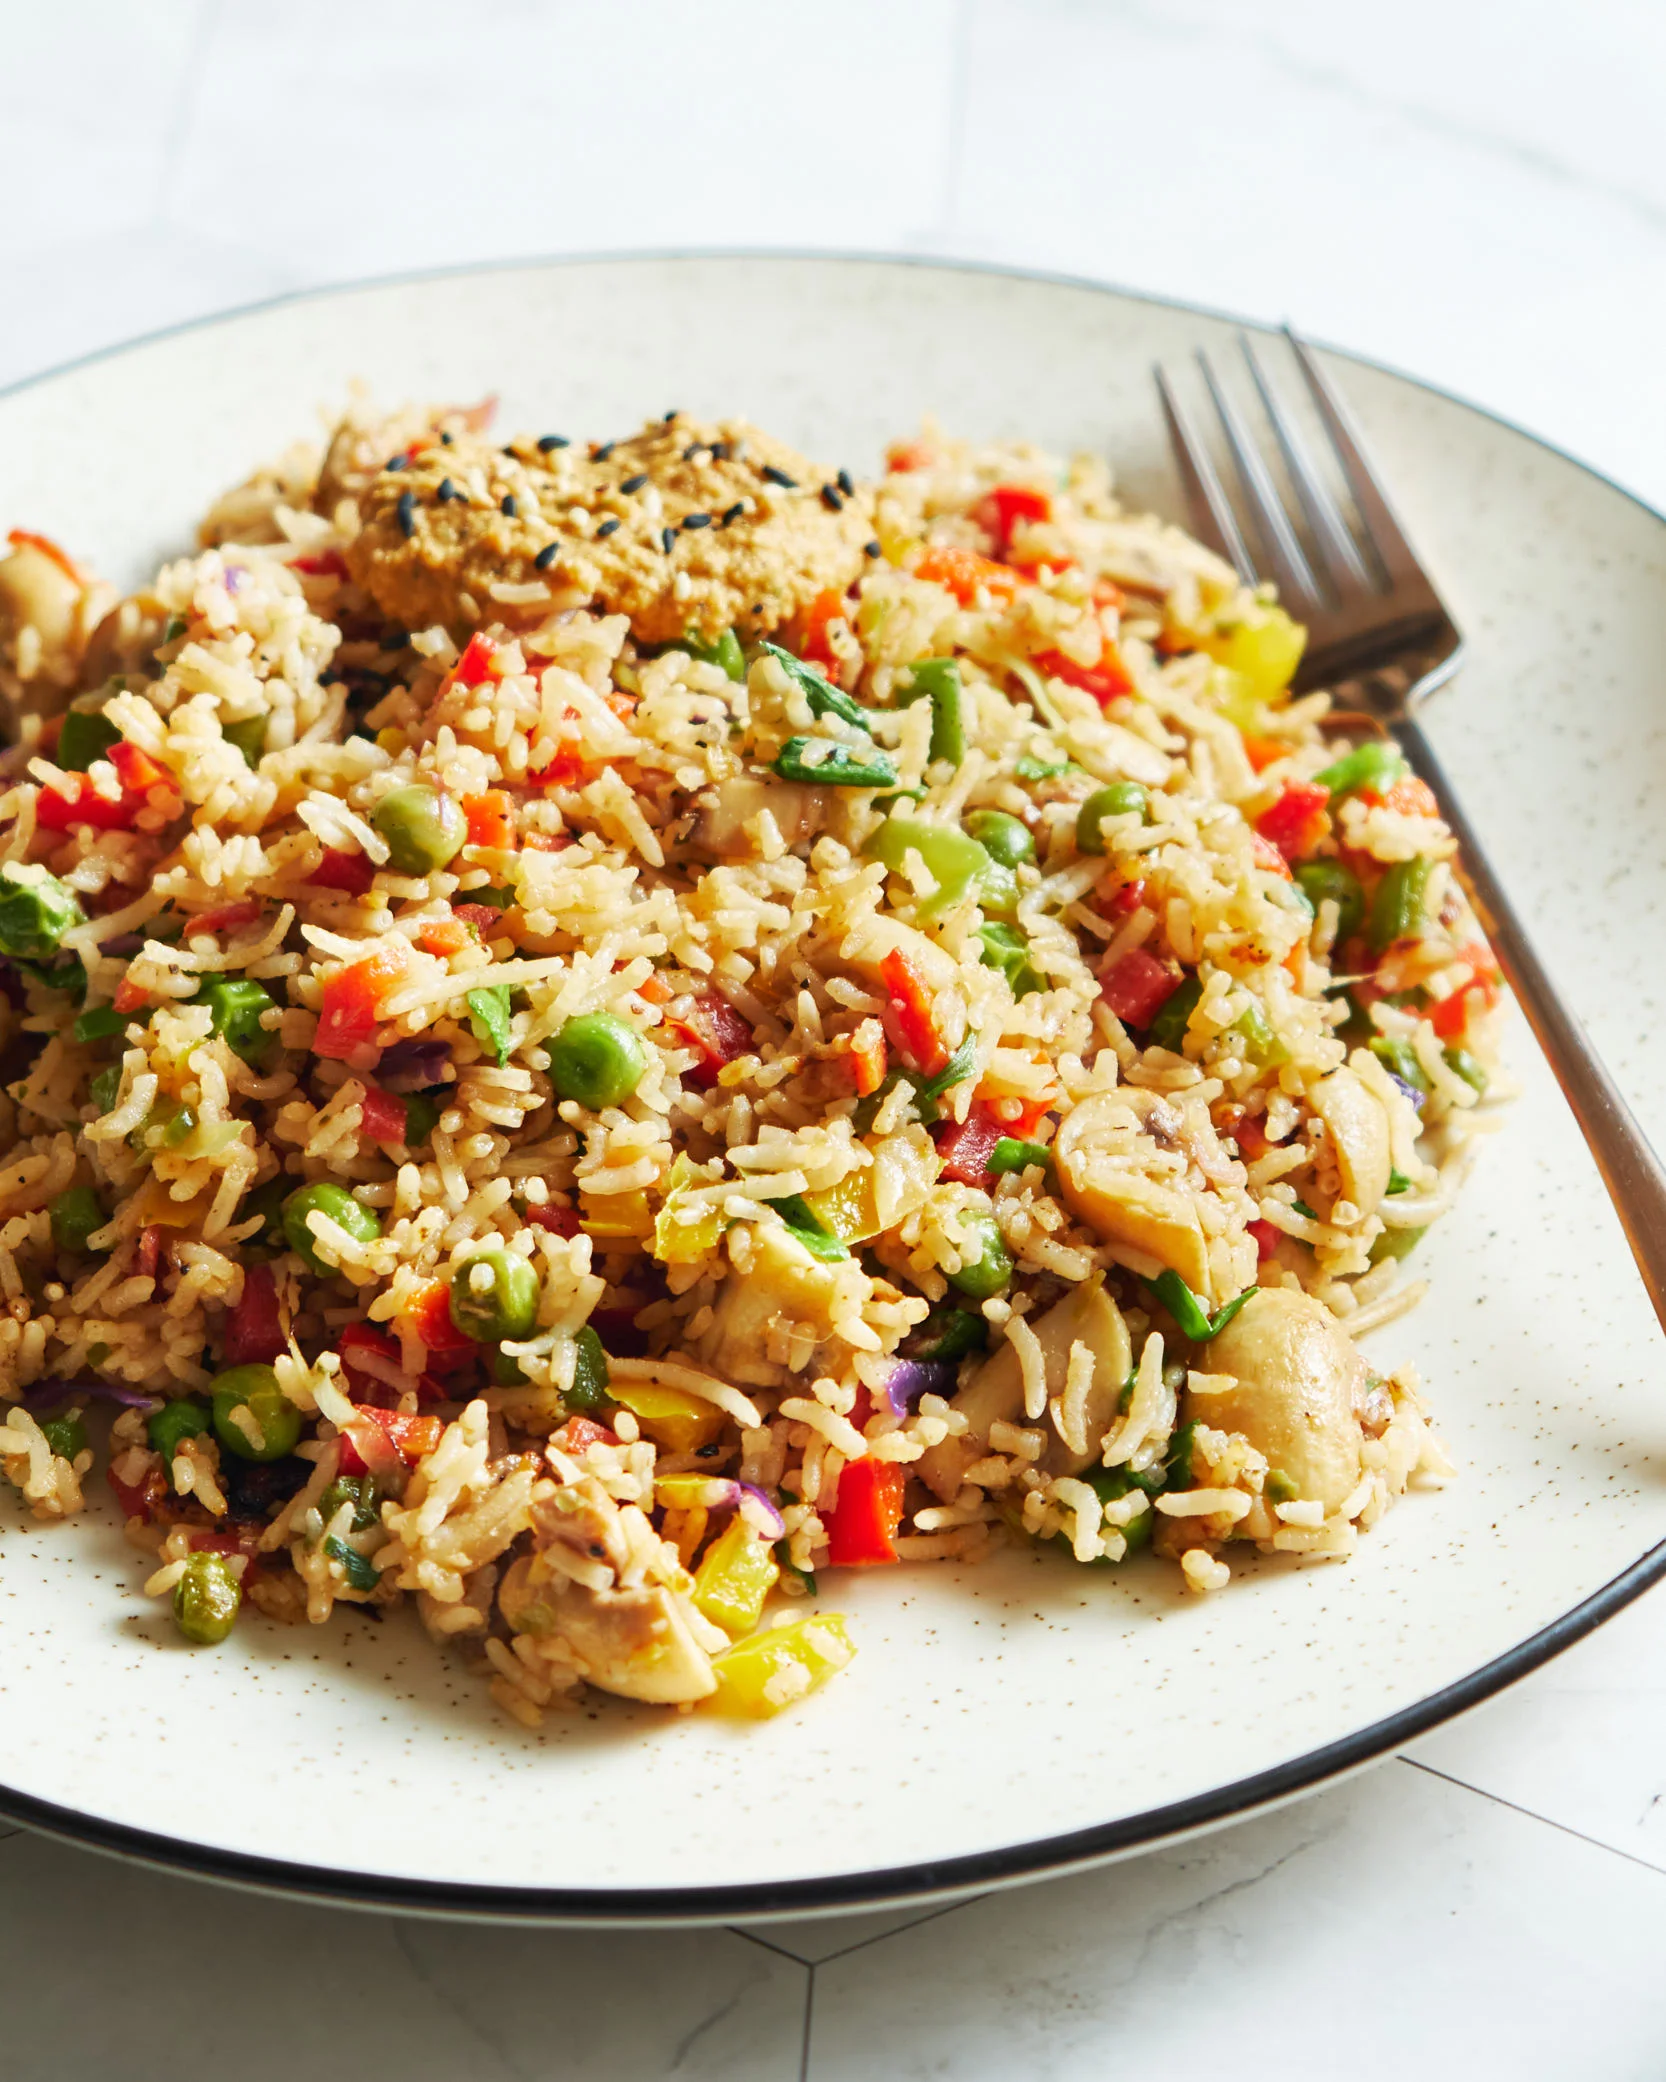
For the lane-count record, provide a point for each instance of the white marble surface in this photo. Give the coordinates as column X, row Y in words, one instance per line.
column 1470, row 189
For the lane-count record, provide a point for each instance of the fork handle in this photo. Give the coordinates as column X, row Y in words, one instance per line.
column 1631, row 1171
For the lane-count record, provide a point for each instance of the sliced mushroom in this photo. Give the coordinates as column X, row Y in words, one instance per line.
column 1298, row 1382
column 996, row 1391
column 782, row 1283
column 1100, row 1176
column 1357, row 1124
column 639, row 1643
column 729, row 811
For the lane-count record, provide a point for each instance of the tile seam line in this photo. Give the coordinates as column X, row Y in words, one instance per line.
column 1527, row 1814
column 746, row 1937
column 809, row 2024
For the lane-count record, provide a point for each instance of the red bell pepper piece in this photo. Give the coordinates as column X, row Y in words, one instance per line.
column 139, row 1499
column 1138, row 987
column 148, row 1259
column 718, row 1032
column 478, row 662
column 429, row 1316
column 137, row 771
column 965, row 1145
column 965, row 574
column 1266, row 1239
column 490, row 819
column 1104, row 681
column 830, row 606
column 565, row 770
column 1297, row 821
column 912, row 1009
column 1269, row 857
column 79, row 802
column 410, row 1437
column 354, row 1343
column 482, row 917
column 444, row 937
column 220, row 920
column 867, row 1058
column 904, row 455
column 579, row 1432
column 862, row 1526
column 129, row 997
column 254, row 1331
column 349, row 871
column 382, row 1115
column 324, row 563
column 1002, row 510
column 559, row 1221
column 1018, row 1118
column 1121, row 902
column 353, row 998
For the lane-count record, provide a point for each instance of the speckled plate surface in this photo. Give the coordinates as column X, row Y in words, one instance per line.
column 1014, row 1719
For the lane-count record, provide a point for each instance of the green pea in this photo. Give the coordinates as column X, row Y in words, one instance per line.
column 206, row 1599
column 67, row 1436
column 937, row 680
column 1398, row 907
column 255, row 1389
column 503, row 1304
column 422, row 1117
column 597, row 1059
column 1464, row 1065
column 357, row 1490
column 1371, row 765
column 235, row 1005
column 591, row 1375
column 104, row 1086
column 1322, row 879
column 184, row 1418
column 1005, row 839
column 725, row 652
column 340, row 1207
column 249, row 737
column 1171, row 1019
column 1120, row 799
column 1006, row 949
column 34, row 916
column 991, row 1269
column 75, row 1215
column 86, row 736
column 423, row 828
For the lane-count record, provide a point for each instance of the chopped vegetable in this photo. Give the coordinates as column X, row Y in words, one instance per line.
column 254, row 1328
column 912, row 1010
column 1105, row 681
column 383, row 1115
column 598, row 1060
column 1137, row 986
column 1003, row 509
column 1397, row 1055
column 966, row 574
column 337, row 1205
column 862, row 1526
column 67, row 1436
column 775, row 1669
column 1006, row 840
column 681, row 1242
column 494, row 1295
column 937, row 680
column 206, row 1599
column 735, row 1576
column 1005, row 948
column 1120, row 799
column 490, row 818
column 671, row 1417
column 591, row 1375
column 184, row 1418
column 34, row 916
column 352, row 999
column 350, row 872
column 410, row 1437
column 361, row 1572
column 1261, row 1044
column 75, row 1216
column 1374, row 764
column 235, row 1007
column 1264, row 648
column 986, row 1273
column 726, row 653
column 1395, row 1243
column 824, row 698
column 955, row 862
column 1298, row 820
column 1032, row 769
column 1463, row 1064
column 1168, row 1024
column 717, row 1032
column 251, row 1394
column 1397, row 909
column 823, row 763
column 1397, row 1183
column 249, row 736
column 966, row 1147
column 101, row 1023
column 1190, row 1316
column 955, row 1071
column 1012, row 1155
column 1322, row 880
column 423, row 828
column 490, row 1019
column 85, row 736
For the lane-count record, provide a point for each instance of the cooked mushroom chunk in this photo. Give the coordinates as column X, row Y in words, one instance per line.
column 995, row 1392
column 1105, row 1155
column 1298, row 1378
column 637, row 1642
column 1357, row 1126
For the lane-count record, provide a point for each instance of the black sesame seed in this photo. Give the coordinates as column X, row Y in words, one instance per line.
column 634, row 484
column 396, row 462
column 546, row 556
column 445, row 440
column 600, row 455
column 697, row 520
column 407, row 513
column 607, row 527
column 845, row 485
column 447, row 491
column 731, row 513
column 548, row 441
column 720, row 451
column 507, row 505
column 780, row 477
column 667, row 536
column 689, row 454
column 509, row 450
column 675, row 413
column 832, row 498
column 872, row 549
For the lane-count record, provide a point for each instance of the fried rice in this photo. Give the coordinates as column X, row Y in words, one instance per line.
column 595, row 1033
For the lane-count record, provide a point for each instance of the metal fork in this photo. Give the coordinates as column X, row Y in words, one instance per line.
column 1375, row 620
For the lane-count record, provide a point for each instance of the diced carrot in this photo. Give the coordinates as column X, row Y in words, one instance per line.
column 137, row 771
column 349, row 871
column 907, row 455
column 1138, row 986
column 1262, row 751
column 718, row 1031
column 868, row 1056
column 478, row 662
column 428, row 1315
column 1104, row 681
column 353, row 999
column 444, row 937
column 579, row 1432
column 129, row 997
column 491, row 819
column 1412, row 798
column 912, row 1008
column 830, row 606
column 654, row 990
column 1297, row 821
column 965, row 574
column 565, row 770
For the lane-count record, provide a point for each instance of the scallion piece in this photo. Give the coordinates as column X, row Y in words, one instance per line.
column 833, row 765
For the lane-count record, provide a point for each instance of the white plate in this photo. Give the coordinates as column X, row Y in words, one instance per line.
column 1004, row 1721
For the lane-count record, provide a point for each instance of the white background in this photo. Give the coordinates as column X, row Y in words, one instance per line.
column 1473, row 191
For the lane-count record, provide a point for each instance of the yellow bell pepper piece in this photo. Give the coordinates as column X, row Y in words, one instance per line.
column 615, row 1214
column 907, row 1166
column 692, row 1492
column 777, row 1668
column 680, row 1242
column 672, row 1418
column 735, row 1576
column 1264, row 648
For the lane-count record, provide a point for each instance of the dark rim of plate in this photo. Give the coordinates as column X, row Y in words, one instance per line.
column 1046, row 1857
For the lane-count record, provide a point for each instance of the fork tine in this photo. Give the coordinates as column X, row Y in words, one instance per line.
column 1296, row 583
column 1213, row 521
column 1344, row 567
column 1382, row 530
